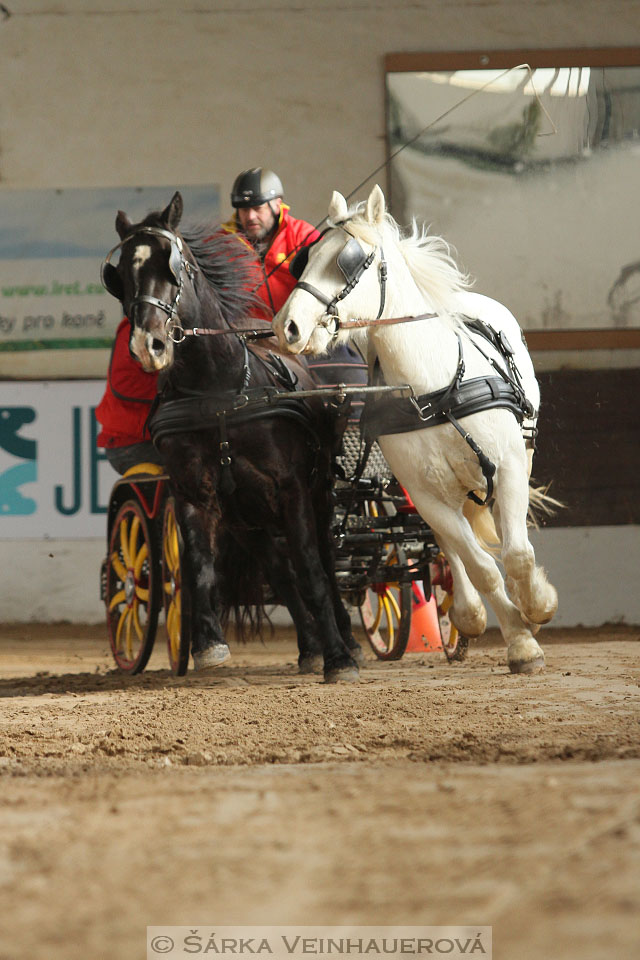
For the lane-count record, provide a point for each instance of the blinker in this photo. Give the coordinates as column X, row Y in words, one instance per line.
column 299, row 262
column 111, row 280
column 351, row 259
column 175, row 258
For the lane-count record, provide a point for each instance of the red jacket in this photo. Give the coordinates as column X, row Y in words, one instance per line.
column 277, row 284
column 129, row 392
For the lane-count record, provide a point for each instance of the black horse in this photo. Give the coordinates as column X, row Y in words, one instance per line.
column 251, row 471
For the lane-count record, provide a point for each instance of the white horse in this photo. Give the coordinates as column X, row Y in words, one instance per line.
column 390, row 276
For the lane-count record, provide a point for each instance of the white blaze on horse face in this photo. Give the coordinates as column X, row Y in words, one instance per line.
column 141, row 254
column 149, row 343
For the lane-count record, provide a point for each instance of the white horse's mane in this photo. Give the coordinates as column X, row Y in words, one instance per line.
column 429, row 257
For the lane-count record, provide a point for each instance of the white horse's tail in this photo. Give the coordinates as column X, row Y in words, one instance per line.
column 541, row 504
column 484, row 529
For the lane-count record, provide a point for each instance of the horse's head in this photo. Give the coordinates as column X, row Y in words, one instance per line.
column 339, row 274
column 149, row 280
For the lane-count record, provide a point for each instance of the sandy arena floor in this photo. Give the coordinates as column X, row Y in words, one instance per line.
column 426, row 794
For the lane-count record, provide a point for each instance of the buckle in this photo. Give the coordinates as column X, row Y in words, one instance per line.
column 421, row 411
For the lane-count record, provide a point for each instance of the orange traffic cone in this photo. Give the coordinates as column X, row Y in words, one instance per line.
column 425, row 629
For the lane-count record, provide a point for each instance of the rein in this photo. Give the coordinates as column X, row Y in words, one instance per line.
column 355, row 324
column 177, row 333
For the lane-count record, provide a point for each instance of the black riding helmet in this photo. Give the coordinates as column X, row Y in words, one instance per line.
column 255, row 187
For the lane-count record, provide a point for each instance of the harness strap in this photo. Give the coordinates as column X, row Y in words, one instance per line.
column 500, row 343
column 383, row 282
column 187, row 414
column 487, row 466
column 459, row 399
column 318, row 294
column 383, row 415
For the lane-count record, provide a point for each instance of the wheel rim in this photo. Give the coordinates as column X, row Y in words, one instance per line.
column 386, row 610
column 454, row 646
column 174, row 593
column 131, row 600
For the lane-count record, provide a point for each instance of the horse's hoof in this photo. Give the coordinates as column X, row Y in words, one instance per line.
column 211, row 657
column 311, row 664
column 348, row 674
column 527, row 666
column 525, row 655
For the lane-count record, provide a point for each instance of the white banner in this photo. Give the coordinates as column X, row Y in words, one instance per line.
column 56, row 318
column 54, row 482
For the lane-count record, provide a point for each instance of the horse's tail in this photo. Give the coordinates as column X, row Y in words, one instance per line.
column 541, row 504
column 241, row 579
column 484, row 528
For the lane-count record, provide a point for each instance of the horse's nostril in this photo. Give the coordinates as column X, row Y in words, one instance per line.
column 291, row 332
column 157, row 346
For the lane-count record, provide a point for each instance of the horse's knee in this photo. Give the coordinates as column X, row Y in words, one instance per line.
column 519, row 562
column 469, row 619
column 534, row 596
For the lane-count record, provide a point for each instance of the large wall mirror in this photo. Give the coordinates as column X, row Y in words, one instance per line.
column 533, row 174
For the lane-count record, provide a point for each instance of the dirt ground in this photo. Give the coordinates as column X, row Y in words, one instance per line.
column 427, row 794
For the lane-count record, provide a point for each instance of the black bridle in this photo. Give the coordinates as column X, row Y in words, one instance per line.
column 178, row 264
column 352, row 261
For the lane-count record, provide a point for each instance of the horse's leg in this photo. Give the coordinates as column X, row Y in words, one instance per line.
column 323, row 509
column 282, row 579
column 527, row 582
column 208, row 646
column 452, row 530
column 313, row 583
column 467, row 612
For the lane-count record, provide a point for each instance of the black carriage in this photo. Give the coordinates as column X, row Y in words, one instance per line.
column 387, row 561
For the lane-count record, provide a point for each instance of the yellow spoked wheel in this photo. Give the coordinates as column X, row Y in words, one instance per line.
column 455, row 646
column 175, row 593
column 132, row 598
column 386, row 609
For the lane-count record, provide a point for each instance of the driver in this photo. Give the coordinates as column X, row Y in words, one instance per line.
column 263, row 221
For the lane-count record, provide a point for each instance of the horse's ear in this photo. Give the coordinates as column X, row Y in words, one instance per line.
column 173, row 213
column 338, row 209
column 123, row 224
column 376, row 206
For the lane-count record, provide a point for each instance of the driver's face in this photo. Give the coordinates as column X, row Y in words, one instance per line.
column 257, row 222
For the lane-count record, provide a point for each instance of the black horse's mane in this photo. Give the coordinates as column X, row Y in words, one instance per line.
column 229, row 267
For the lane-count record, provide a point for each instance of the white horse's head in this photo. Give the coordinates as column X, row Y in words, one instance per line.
column 342, row 276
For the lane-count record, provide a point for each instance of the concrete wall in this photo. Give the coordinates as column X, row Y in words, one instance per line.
column 163, row 91
column 129, row 92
